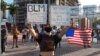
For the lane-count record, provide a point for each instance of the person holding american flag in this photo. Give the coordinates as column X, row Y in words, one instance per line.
column 79, row 36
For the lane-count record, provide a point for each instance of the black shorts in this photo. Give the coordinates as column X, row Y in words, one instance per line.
column 15, row 37
column 24, row 36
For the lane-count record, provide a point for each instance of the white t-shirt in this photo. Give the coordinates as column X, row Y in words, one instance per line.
column 54, row 31
column 98, row 26
column 24, row 31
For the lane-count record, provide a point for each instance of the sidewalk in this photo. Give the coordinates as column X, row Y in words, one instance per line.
column 28, row 47
column 65, row 50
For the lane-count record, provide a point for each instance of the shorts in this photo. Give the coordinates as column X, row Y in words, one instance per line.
column 15, row 37
column 49, row 53
column 24, row 36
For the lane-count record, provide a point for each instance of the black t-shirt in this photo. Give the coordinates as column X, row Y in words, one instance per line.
column 3, row 33
column 46, row 42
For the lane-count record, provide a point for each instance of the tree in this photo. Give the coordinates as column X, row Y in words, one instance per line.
column 3, row 7
column 13, row 9
column 95, row 23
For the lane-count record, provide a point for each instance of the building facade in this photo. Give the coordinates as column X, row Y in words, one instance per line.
column 21, row 15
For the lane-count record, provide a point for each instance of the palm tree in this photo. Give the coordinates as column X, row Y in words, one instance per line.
column 3, row 7
column 13, row 9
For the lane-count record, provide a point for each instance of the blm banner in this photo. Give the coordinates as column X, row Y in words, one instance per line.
column 37, row 13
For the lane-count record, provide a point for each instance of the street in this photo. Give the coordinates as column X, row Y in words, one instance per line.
column 79, row 20
column 29, row 49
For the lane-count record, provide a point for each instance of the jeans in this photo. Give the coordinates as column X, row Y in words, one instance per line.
column 3, row 42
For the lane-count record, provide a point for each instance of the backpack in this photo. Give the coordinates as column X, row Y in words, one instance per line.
column 47, row 43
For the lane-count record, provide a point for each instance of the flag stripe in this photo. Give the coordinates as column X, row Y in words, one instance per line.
column 87, row 33
column 88, row 39
column 81, row 37
column 78, row 43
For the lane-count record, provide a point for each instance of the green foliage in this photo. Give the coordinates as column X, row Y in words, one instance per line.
column 95, row 23
column 3, row 7
column 12, row 9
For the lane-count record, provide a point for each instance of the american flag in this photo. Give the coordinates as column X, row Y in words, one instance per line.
column 80, row 37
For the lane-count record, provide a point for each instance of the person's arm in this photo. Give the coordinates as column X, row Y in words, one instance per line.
column 32, row 31
column 62, row 31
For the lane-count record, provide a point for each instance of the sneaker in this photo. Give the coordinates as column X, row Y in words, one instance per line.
column 5, row 46
column 16, row 46
column 23, row 44
column 37, row 46
column 12, row 47
column 4, row 53
column 88, row 46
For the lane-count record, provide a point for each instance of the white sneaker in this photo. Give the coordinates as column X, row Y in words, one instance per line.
column 5, row 46
column 4, row 53
column 37, row 46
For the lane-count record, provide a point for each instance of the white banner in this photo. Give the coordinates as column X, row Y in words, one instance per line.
column 98, row 13
column 74, row 11
column 59, row 16
column 37, row 13
column 99, row 8
column 90, row 10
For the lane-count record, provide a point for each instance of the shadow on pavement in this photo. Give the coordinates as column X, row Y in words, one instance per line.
column 29, row 53
column 67, row 48
column 18, row 49
column 94, row 54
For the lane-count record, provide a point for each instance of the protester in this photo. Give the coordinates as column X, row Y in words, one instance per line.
column 27, row 35
column 37, row 31
column 31, row 38
column 97, row 30
column 15, row 37
column 42, row 29
column 24, row 32
column 36, row 28
column 3, row 38
column 46, row 41
column 54, row 30
column 59, row 38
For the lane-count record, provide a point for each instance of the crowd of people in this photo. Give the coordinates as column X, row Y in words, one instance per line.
column 46, row 37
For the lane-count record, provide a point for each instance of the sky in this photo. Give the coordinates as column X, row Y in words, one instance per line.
column 9, row 1
column 82, row 2
column 89, row 2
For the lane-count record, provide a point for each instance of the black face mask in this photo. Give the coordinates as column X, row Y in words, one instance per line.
column 47, row 29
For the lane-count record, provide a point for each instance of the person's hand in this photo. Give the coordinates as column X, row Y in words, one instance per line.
column 29, row 26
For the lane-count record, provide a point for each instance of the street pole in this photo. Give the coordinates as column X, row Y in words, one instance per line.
column 0, row 26
column 48, row 6
column 43, row 1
